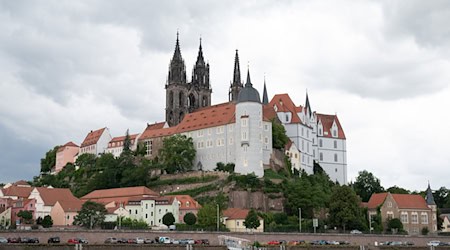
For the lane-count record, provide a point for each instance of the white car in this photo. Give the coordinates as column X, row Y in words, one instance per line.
column 433, row 243
column 3, row 240
column 355, row 232
column 139, row 240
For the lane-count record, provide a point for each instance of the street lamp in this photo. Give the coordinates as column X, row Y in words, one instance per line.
column 300, row 219
column 218, row 217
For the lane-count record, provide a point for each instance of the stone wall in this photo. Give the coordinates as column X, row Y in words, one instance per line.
column 257, row 200
column 222, row 175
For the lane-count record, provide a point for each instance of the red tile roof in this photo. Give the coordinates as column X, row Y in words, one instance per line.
column 69, row 144
column 92, row 137
column 269, row 113
column 236, row 213
column 327, row 123
column 71, row 206
column 183, row 199
column 156, row 125
column 288, row 145
column 206, row 117
column 18, row 191
column 410, row 201
column 115, row 193
column 403, row 201
column 51, row 195
column 121, row 139
column 21, row 183
column 284, row 103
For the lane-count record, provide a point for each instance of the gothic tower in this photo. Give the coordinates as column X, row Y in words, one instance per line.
column 236, row 85
column 184, row 97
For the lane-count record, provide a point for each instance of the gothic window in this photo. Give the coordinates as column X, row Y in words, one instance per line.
column 170, row 117
column 181, row 99
column 204, row 101
column 181, row 116
column 191, row 101
column 170, row 99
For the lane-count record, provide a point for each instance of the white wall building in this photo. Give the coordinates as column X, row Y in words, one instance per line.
column 319, row 137
column 115, row 146
column 152, row 209
column 95, row 142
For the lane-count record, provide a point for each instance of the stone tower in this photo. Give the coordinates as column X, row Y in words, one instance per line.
column 236, row 85
column 183, row 97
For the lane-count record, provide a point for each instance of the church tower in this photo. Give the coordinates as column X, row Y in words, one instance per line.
column 236, row 85
column 184, row 97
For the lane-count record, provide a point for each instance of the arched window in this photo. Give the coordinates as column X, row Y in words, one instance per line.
column 170, row 99
column 192, row 104
column 181, row 99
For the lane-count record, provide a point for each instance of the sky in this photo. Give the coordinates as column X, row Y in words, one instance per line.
column 69, row 67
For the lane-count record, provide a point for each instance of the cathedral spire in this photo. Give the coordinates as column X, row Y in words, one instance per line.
column 177, row 52
column 200, row 59
column 177, row 69
column 265, row 99
column 237, row 71
column 429, row 196
column 248, row 83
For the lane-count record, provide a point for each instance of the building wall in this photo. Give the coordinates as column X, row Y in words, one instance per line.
column 40, row 208
column 60, row 217
column 237, row 225
column 5, row 218
column 446, row 225
column 249, row 139
column 334, row 159
column 294, row 156
column 102, row 143
column 65, row 156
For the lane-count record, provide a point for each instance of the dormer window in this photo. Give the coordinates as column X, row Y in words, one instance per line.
column 334, row 133
column 187, row 203
column 287, row 118
column 320, row 131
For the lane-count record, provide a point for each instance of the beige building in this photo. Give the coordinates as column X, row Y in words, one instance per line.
column 64, row 155
column 234, row 220
column 413, row 211
column 63, row 212
column 445, row 222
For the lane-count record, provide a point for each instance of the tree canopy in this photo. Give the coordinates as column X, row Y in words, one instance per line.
column 367, row 184
column 344, row 209
column 252, row 220
column 91, row 215
column 47, row 221
column 49, row 161
column 397, row 190
column 279, row 137
column 190, row 219
column 177, row 153
column 207, row 215
column 168, row 219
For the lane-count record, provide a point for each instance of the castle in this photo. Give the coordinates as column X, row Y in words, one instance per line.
column 238, row 131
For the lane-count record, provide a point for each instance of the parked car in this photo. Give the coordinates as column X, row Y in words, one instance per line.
column 72, row 241
column 111, row 240
column 355, row 231
column 82, row 241
column 273, row 243
column 122, row 240
column 139, row 240
column 24, row 240
column 53, row 239
column 14, row 240
column 148, row 241
column 434, row 243
column 132, row 241
column 33, row 240
column 3, row 240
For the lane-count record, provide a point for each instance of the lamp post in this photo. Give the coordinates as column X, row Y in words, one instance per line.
column 300, row 219
column 218, row 217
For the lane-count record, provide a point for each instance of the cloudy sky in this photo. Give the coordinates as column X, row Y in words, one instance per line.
column 68, row 67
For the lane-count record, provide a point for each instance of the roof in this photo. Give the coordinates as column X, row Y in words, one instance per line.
column 269, row 113
column 156, row 125
column 164, row 199
column 327, row 123
column 92, row 137
column 288, row 145
column 72, row 205
column 18, row 191
column 236, row 213
column 284, row 103
column 120, row 192
column 183, row 199
column 21, row 183
column 51, row 195
column 248, row 93
column 122, row 139
column 69, row 144
column 429, row 196
column 411, row 201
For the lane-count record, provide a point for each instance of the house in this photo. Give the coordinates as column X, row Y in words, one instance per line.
column 22, row 204
column 95, row 142
column 15, row 191
column 186, row 204
column 119, row 195
column 320, row 137
column 65, row 154
column 5, row 218
column 117, row 211
column 115, row 146
column 294, row 155
column 152, row 209
column 153, row 137
column 63, row 212
column 46, row 198
column 413, row 211
column 234, row 220
column 445, row 222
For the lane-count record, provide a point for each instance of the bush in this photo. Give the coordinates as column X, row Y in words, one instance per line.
column 190, row 219
column 425, row 231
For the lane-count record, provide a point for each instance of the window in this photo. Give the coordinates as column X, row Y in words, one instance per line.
column 200, row 133
column 390, row 215
column 130, row 211
column 335, row 158
column 244, row 135
column 414, row 218
column 148, row 146
column 320, row 143
column 146, row 216
column 303, row 131
column 320, row 131
column 135, row 212
column 187, row 203
column 231, row 140
column 424, row 218
column 389, row 204
column 237, row 223
column 334, row 133
column 219, row 130
column 321, row 156
column 303, row 145
column 244, row 122
column 335, row 144
column 146, row 206
column 266, row 140
column 287, row 118
column 266, row 127
column 404, row 217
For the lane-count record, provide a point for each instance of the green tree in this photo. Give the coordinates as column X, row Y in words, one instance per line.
column 47, row 222
column 397, row 190
column 395, row 225
column 49, row 161
column 425, row 231
column 168, row 219
column 91, row 215
column 252, row 220
column 279, row 137
column 367, row 184
column 207, row 215
column 190, row 219
column 441, row 196
column 127, row 143
column 344, row 208
column 86, row 161
column 177, row 153
column 26, row 216
column 141, row 149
